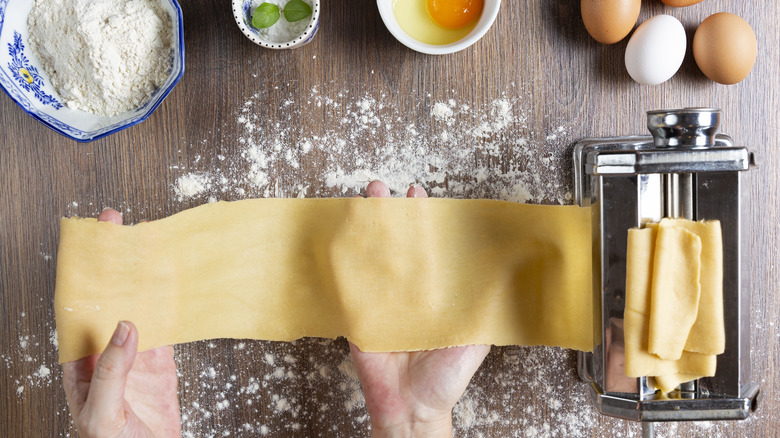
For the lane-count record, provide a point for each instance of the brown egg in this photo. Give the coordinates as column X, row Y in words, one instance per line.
column 609, row 21
column 725, row 48
column 681, row 3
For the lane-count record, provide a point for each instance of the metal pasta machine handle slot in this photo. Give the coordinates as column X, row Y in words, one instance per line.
column 685, row 169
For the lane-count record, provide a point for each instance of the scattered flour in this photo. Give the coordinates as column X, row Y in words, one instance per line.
column 351, row 385
column 459, row 151
column 273, row 397
column 102, row 56
column 441, row 111
column 43, row 371
column 191, row 184
column 33, row 354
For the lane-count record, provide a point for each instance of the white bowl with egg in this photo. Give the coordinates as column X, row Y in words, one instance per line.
column 485, row 21
column 243, row 10
column 25, row 81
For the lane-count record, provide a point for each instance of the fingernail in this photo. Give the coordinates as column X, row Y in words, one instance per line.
column 120, row 334
column 416, row 191
column 106, row 208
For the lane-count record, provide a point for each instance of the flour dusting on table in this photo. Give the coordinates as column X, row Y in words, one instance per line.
column 461, row 151
column 36, row 353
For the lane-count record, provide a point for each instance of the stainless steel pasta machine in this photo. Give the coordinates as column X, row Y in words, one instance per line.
column 684, row 169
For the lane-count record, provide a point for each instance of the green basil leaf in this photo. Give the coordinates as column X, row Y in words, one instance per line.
column 296, row 10
column 265, row 15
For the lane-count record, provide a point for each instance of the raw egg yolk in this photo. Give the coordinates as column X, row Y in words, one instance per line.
column 454, row 14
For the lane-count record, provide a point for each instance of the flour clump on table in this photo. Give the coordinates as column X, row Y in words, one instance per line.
column 103, row 56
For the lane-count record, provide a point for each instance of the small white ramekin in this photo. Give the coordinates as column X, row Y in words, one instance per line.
column 489, row 14
column 242, row 12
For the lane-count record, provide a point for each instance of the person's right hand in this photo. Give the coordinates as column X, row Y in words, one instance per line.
column 123, row 393
column 412, row 394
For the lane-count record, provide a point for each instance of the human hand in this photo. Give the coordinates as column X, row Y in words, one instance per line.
column 123, row 393
column 413, row 393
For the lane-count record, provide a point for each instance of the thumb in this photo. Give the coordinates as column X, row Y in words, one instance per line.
column 105, row 402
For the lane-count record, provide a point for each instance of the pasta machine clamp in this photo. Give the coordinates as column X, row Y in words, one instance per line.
column 686, row 169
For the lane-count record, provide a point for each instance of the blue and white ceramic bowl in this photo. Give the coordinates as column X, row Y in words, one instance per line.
column 243, row 10
column 23, row 79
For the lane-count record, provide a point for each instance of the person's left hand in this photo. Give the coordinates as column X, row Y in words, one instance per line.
column 413, row 393
column 123, row 393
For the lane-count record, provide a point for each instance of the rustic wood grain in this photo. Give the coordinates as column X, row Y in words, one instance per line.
column 538, row 50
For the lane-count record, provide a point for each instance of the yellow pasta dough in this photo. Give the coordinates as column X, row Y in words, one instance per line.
column 675, row 291
column 389, row 274
column 691, row 255
column 708, row 334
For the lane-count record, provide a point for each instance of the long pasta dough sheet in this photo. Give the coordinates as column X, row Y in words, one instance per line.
column 388, row 274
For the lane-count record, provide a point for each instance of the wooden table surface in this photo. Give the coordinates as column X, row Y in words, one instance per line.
column 351, row 106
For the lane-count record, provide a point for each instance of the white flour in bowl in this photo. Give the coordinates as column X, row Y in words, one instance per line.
column 103, row 56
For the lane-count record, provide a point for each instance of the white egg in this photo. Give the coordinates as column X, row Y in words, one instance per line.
column 656, row 50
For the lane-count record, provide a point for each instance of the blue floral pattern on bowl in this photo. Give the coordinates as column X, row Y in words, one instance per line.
column 26, row 74
column 23, row 79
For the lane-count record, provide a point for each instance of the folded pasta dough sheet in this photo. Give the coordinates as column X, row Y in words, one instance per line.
column 674, row 273
column 676, row 291
column 388, row 274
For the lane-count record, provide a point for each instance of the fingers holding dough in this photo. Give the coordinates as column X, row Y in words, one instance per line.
column 377, row 189
column 110, row 215
column 416, row 191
